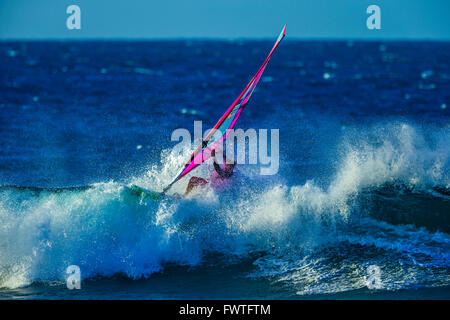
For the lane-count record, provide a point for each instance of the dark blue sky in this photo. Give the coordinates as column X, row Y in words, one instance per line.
column 406, row 19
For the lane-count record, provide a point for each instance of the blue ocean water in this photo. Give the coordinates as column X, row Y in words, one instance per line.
column 363, row 181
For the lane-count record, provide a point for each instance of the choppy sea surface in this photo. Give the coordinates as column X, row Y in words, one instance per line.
column 363, row 181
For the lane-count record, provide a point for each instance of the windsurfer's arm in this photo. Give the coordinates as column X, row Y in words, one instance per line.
column 219, row 170
column 228, row 172
column 216, row 165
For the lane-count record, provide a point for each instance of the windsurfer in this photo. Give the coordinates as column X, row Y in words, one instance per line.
column 225, row 123
column 218, row 176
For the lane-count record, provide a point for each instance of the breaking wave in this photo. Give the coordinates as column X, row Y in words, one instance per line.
column 319, row 238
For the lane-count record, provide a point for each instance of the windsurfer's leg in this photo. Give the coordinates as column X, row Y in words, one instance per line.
column 195, row 182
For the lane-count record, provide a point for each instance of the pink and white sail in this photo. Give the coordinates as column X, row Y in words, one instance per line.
column 227, row 122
